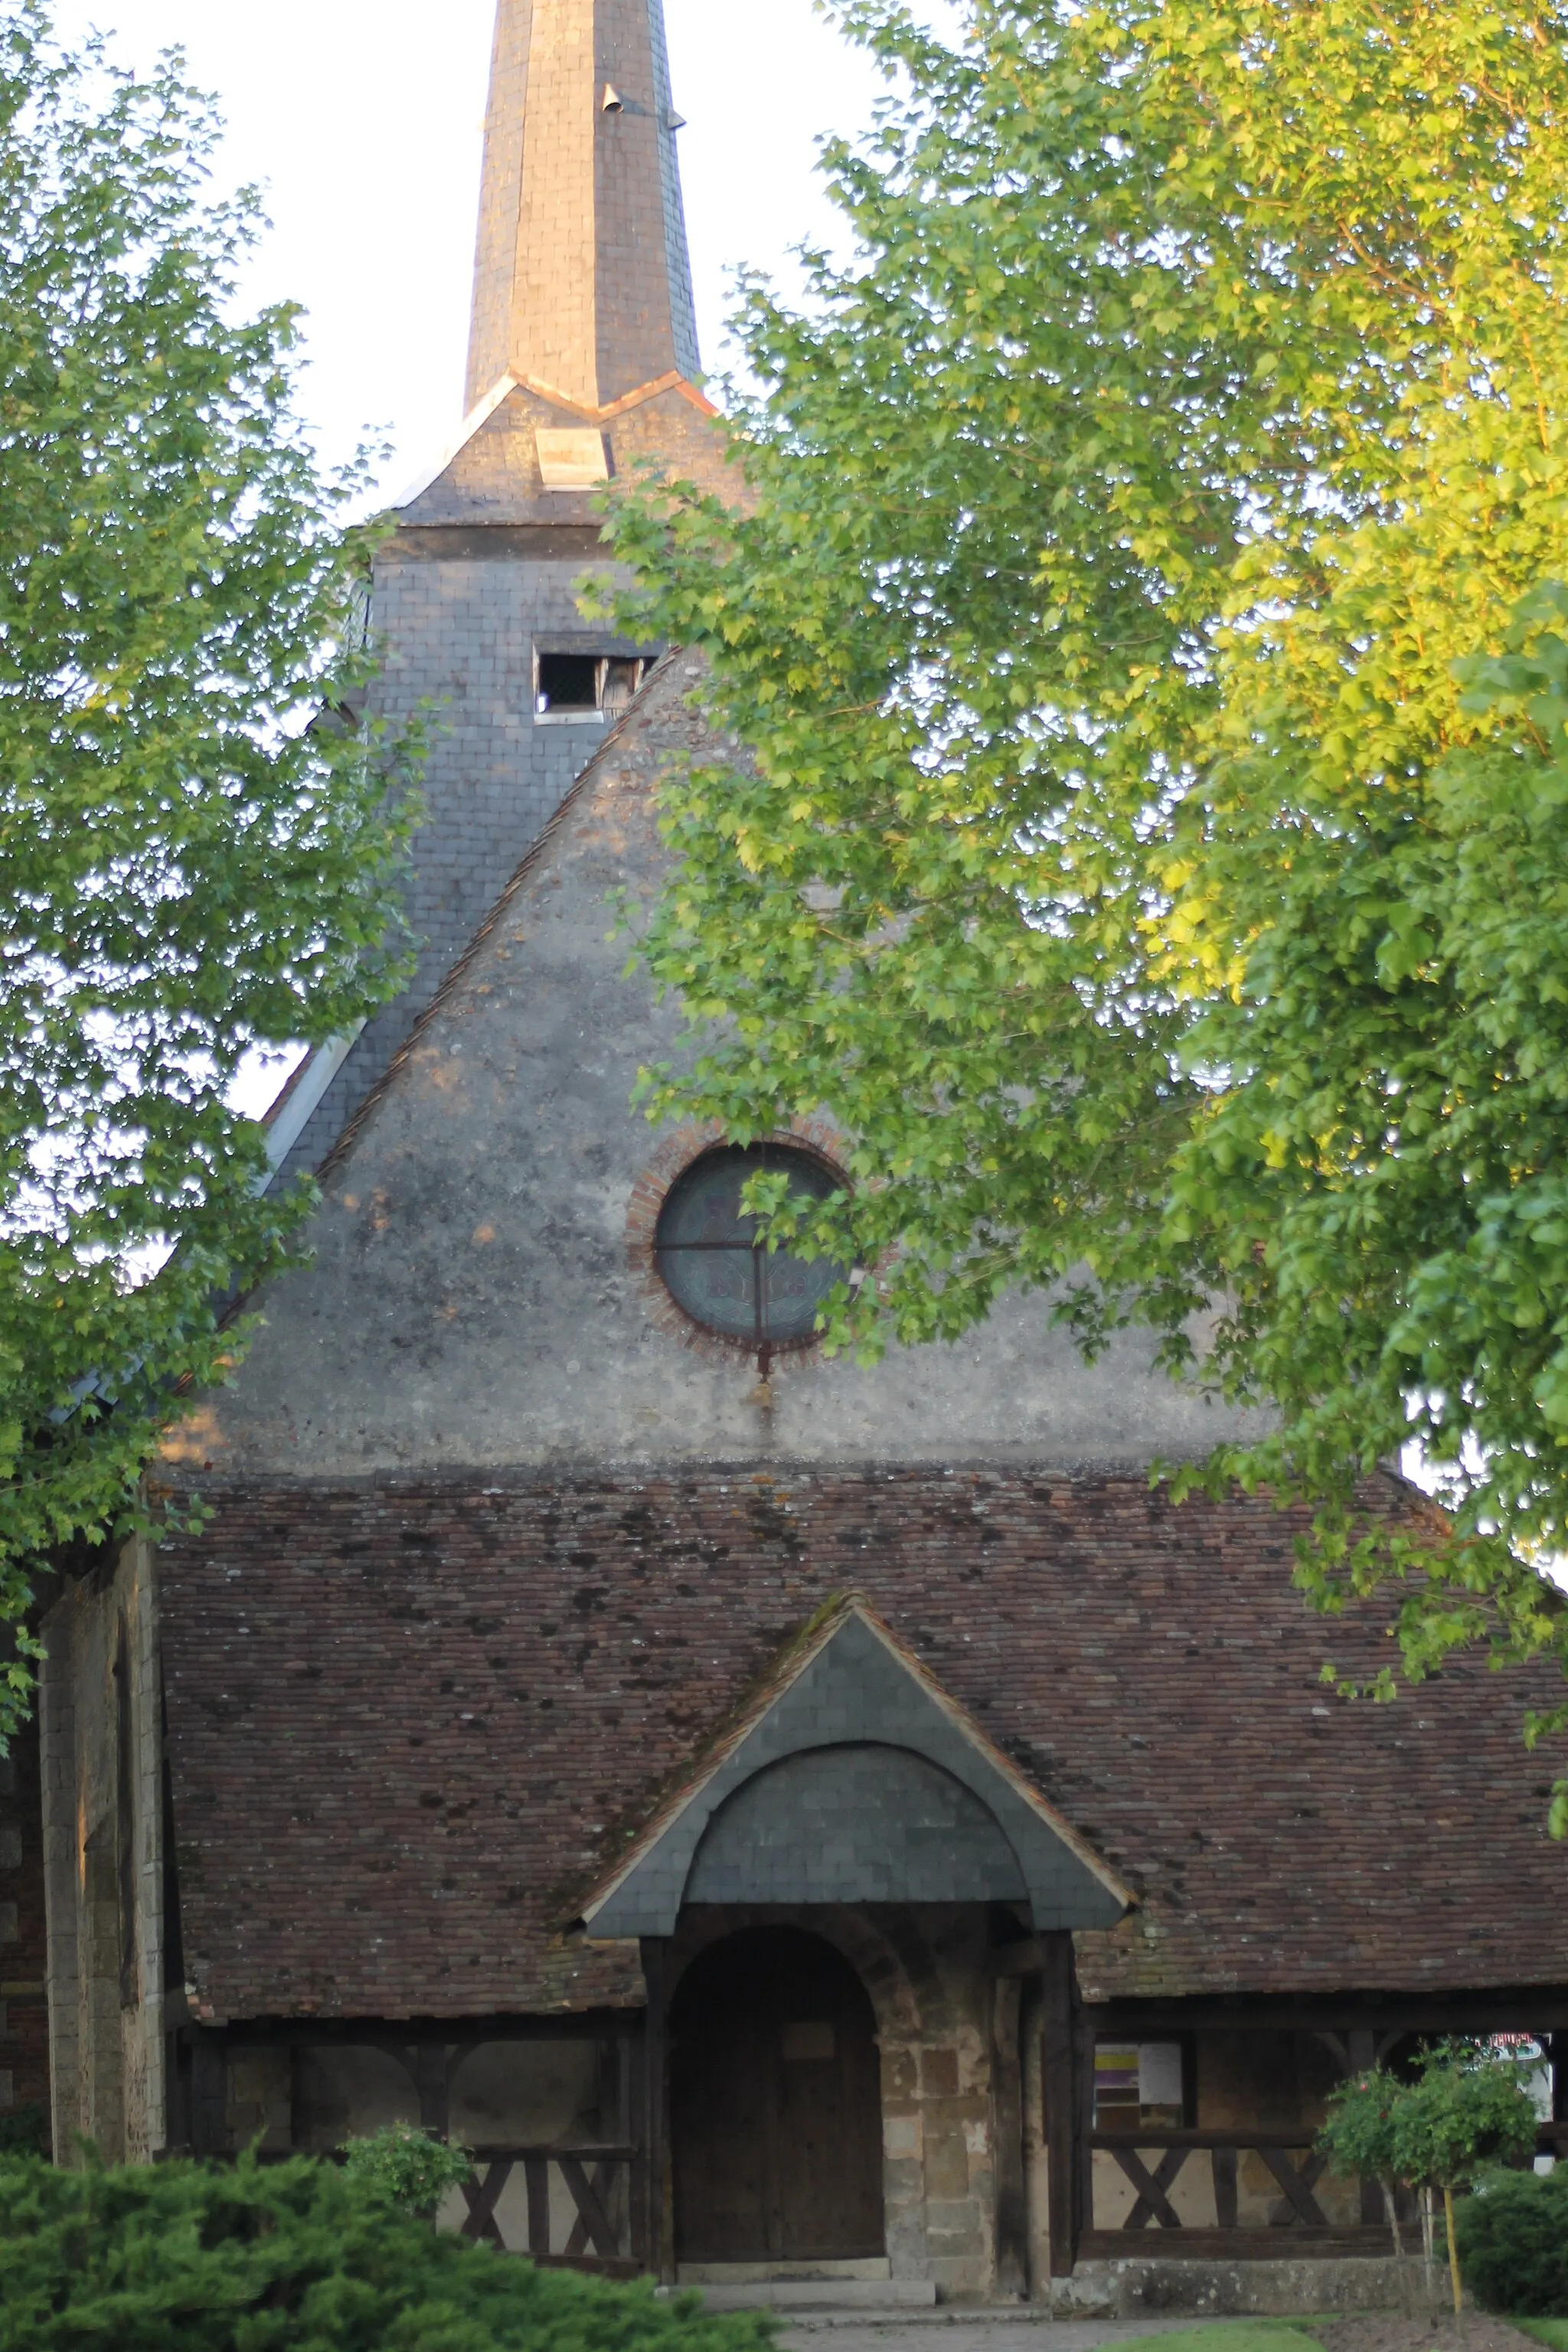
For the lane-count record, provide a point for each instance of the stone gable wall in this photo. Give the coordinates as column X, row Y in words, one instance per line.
column 483, row 1291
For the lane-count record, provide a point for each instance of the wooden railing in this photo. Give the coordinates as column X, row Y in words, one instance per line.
column 1154, row 2160
column 1224, row 2148
column 599, row 2188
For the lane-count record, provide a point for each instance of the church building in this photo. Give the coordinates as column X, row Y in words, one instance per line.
column 830, row 1835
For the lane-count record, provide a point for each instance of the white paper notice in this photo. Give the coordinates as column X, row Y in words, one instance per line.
column 1159, row 2074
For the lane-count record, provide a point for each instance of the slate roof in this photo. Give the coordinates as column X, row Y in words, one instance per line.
column 831, row 1692
column 413, row 1722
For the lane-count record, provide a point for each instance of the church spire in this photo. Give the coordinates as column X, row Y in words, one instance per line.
column 581, row 281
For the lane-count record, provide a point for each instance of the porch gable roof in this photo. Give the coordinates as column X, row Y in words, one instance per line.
column 848, row 1684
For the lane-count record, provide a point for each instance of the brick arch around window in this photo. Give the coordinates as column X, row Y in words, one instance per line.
column 673, row 1155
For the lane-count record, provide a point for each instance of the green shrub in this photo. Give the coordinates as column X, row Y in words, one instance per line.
column 1513, row 2242
column 406, row 2165
column 294, row 2257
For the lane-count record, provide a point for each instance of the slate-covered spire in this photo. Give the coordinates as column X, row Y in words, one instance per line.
column 581, row 281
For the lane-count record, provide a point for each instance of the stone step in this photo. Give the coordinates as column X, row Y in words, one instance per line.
column 851, row 2266
column 864, row 2297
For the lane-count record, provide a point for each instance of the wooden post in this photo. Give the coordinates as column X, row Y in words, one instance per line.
column 178, row 2130
column 431, row 2080
column 301, row 2118
column 655, row 2199
column 209, row 2094
column 1360, row 2047
column 1007, row 2140
column 1060, row 2058
column 1083, row 2101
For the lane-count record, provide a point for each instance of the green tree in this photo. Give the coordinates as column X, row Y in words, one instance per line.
column 1142, row 631
column 196, row 857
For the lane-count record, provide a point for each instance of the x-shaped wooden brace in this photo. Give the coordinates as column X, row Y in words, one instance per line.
column 1152, row 2205
column 593, row 2225
column 482, row 2196
column 1298, row 2187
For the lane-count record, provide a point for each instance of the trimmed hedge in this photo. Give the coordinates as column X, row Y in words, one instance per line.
column 185, row 2257
column 1513, row 2242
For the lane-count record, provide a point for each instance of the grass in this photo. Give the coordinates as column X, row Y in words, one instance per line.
column 1256, row 2336
column 1296, row 2334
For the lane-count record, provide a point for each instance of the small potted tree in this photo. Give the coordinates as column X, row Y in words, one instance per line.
column 409, row 2167
column 1358, row 2137
column 1467, row 2107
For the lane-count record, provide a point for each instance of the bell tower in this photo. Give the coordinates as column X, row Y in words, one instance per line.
column 582, row 282
column 582, row 366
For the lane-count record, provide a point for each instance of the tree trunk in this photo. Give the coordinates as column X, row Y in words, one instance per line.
column 1453, row 2249
column 1428, row 2240
column 1392, row 2209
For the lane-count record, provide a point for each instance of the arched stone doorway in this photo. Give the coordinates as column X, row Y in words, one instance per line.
column 775, row 2103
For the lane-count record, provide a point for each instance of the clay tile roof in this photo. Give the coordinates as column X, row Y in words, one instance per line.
column 410, row 1721
column 798, row 1654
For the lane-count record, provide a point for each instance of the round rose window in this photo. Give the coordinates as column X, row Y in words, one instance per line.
column 708, row 1252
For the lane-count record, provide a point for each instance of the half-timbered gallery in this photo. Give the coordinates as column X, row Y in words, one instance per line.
column 828, row 1834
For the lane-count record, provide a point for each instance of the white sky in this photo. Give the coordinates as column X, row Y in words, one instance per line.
column 361, row 118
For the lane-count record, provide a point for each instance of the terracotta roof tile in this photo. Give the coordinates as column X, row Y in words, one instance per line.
column 410, row 1721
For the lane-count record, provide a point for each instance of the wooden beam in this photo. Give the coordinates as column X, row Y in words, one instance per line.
column 209, row 2094
column 654, row 2192
column 1007, row 2140
column 1059, row 2065
column 1017, row 1959
column 399, row 2034
column 1153, row 2203
column 1360, row 2052
column 1511, row 2011
column 1083, row 2041
column 1235, row 2245
column 432, row 2083
column 1224, row 2187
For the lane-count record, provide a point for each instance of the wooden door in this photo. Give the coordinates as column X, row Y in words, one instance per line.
column 775, row 2103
